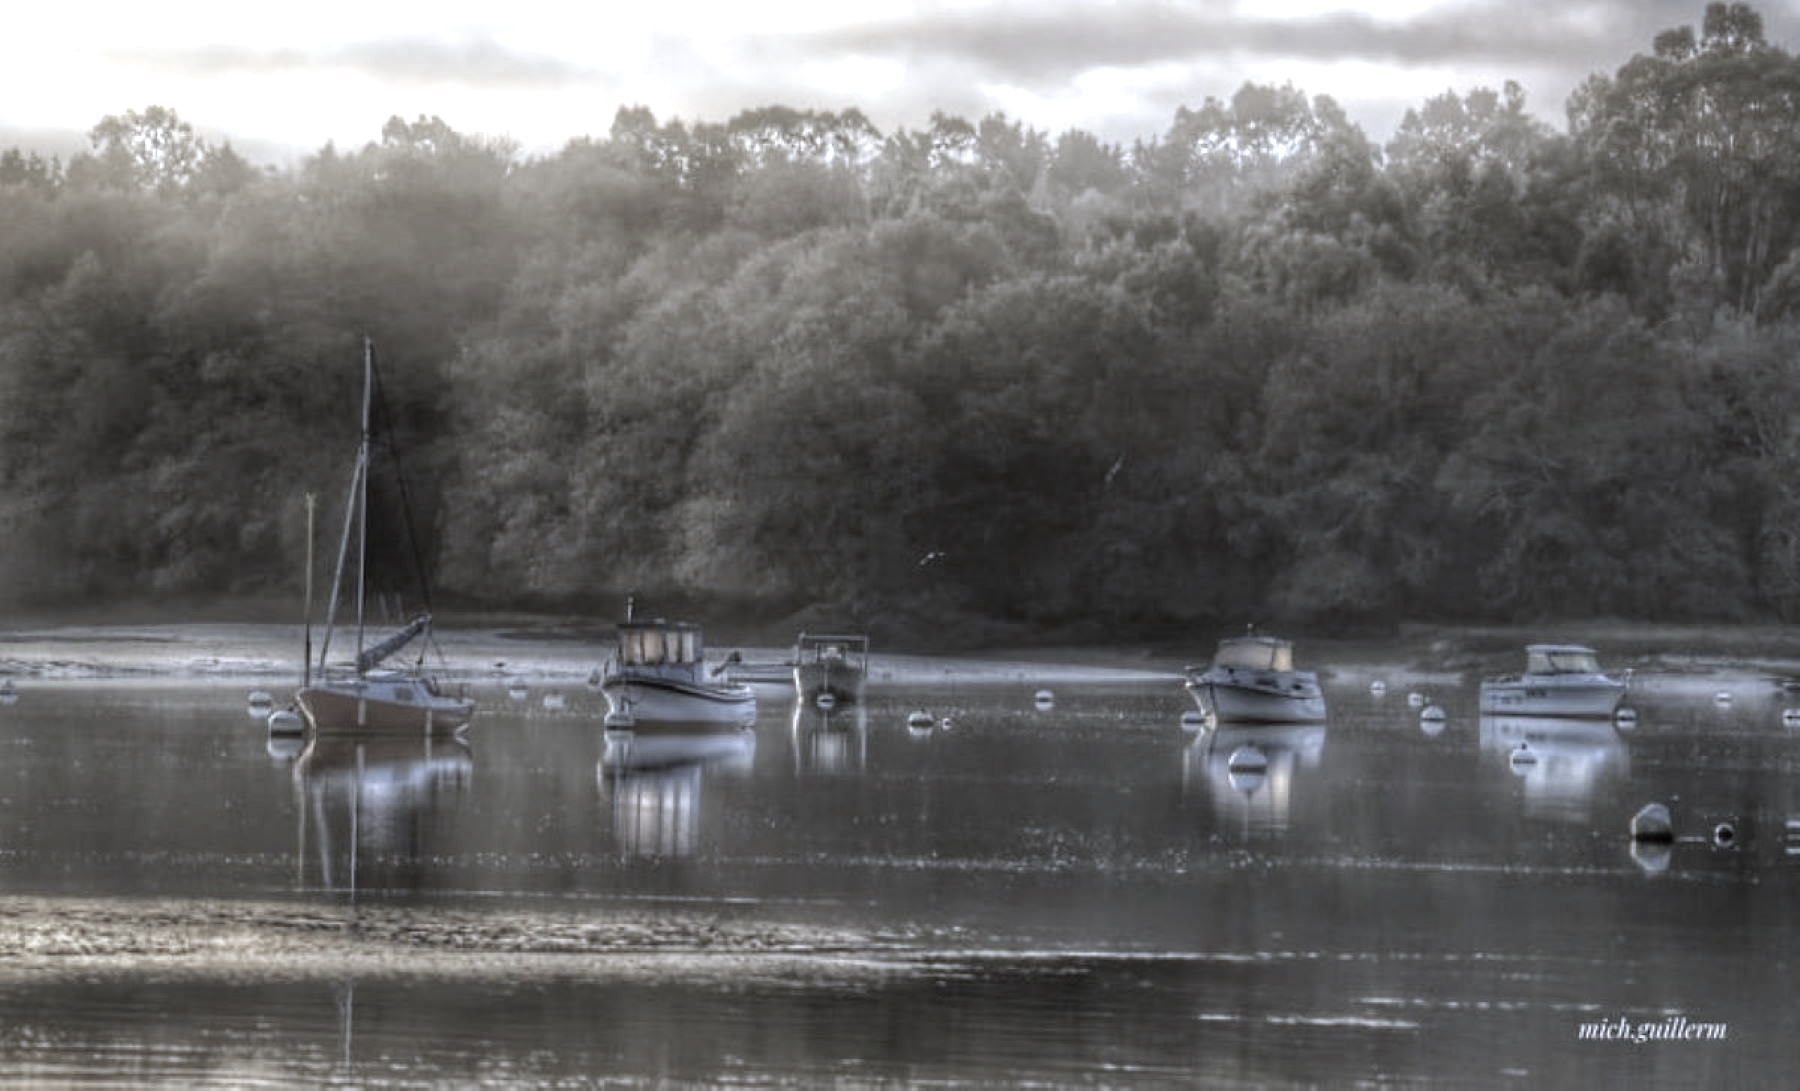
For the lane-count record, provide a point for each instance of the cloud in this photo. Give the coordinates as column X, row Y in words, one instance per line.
column 476, row 61
column 1049, row 43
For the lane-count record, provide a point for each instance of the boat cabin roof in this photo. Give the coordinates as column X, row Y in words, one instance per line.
column 833, row 645
column 1255, row 653
column 1561, row 659
column 656, row 642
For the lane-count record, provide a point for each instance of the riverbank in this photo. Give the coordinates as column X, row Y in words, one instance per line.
column 260, row 653
column 560, row 650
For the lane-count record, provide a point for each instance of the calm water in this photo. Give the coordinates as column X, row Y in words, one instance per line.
column 1077, row 893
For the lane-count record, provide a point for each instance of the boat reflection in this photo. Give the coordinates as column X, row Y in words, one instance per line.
column 655, row 775
column 830, row 739
column 1249, row 770
column 1560, row 763
column 371, row 803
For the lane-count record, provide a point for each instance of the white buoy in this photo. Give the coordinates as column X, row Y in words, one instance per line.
column 1725, row 835
column 261, row 697
column 1247, row 759
column 285, row 747
column 1722, row 698
column 1522, row 760
column 9, row 693
column 517, row 691
column 1247, row 768
column 286, row 722
column 553, row 700
column 1790, row 717
column 1415, row 700
column 1044, row 699
column 919, row 718
column 826, row 699
column 1193, row 720
column 1626, row 718
column 1378, row 688
column 1433, row 712
column 1652, row 823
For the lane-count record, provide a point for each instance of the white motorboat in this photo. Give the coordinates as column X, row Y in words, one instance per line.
column 1252, row 679
column 1558, row 680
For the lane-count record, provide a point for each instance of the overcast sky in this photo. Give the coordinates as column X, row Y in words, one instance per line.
column 281, row 80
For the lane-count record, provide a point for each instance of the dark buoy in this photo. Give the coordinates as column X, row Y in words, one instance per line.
column 1651, row 824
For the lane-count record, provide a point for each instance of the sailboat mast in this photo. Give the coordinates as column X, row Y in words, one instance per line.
column 362, row 492
column 312, row 503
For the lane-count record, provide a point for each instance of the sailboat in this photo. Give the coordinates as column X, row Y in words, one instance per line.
column 362, row 695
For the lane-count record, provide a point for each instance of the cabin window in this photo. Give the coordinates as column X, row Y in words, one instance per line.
column 1563, row 661
column 689, row 650
column 653, row 647
column 1262, row 655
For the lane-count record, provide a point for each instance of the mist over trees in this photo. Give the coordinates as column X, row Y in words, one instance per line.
column 1257, row 368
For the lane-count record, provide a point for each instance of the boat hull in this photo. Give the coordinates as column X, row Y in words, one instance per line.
column 662, row 700
column 1591, row 697
column 405, row 705
column 843, row 684
column 1232, row 696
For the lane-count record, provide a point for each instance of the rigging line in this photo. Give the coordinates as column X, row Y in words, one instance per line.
column 393, row 448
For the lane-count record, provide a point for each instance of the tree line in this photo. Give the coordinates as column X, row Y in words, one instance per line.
column 1257, row 368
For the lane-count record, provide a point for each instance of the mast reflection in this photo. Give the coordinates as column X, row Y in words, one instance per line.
column 1559, row 763
column 1250, row 771
column 370, row 804
column 655, row 775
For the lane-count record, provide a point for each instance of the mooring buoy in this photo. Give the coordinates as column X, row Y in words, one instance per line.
column 1652, row 824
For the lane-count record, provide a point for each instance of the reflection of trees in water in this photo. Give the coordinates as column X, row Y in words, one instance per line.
column 656, row 780
column 1250, row 772
column 1559, row 764
column 372, row 805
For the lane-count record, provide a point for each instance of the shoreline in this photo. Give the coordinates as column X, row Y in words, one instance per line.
column 223, row 652
column 512, row 648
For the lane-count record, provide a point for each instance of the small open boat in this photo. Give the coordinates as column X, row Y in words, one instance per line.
column 1558, row 680
column 1252, row 679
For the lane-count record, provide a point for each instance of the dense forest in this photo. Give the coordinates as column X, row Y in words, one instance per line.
column 1257, row 368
